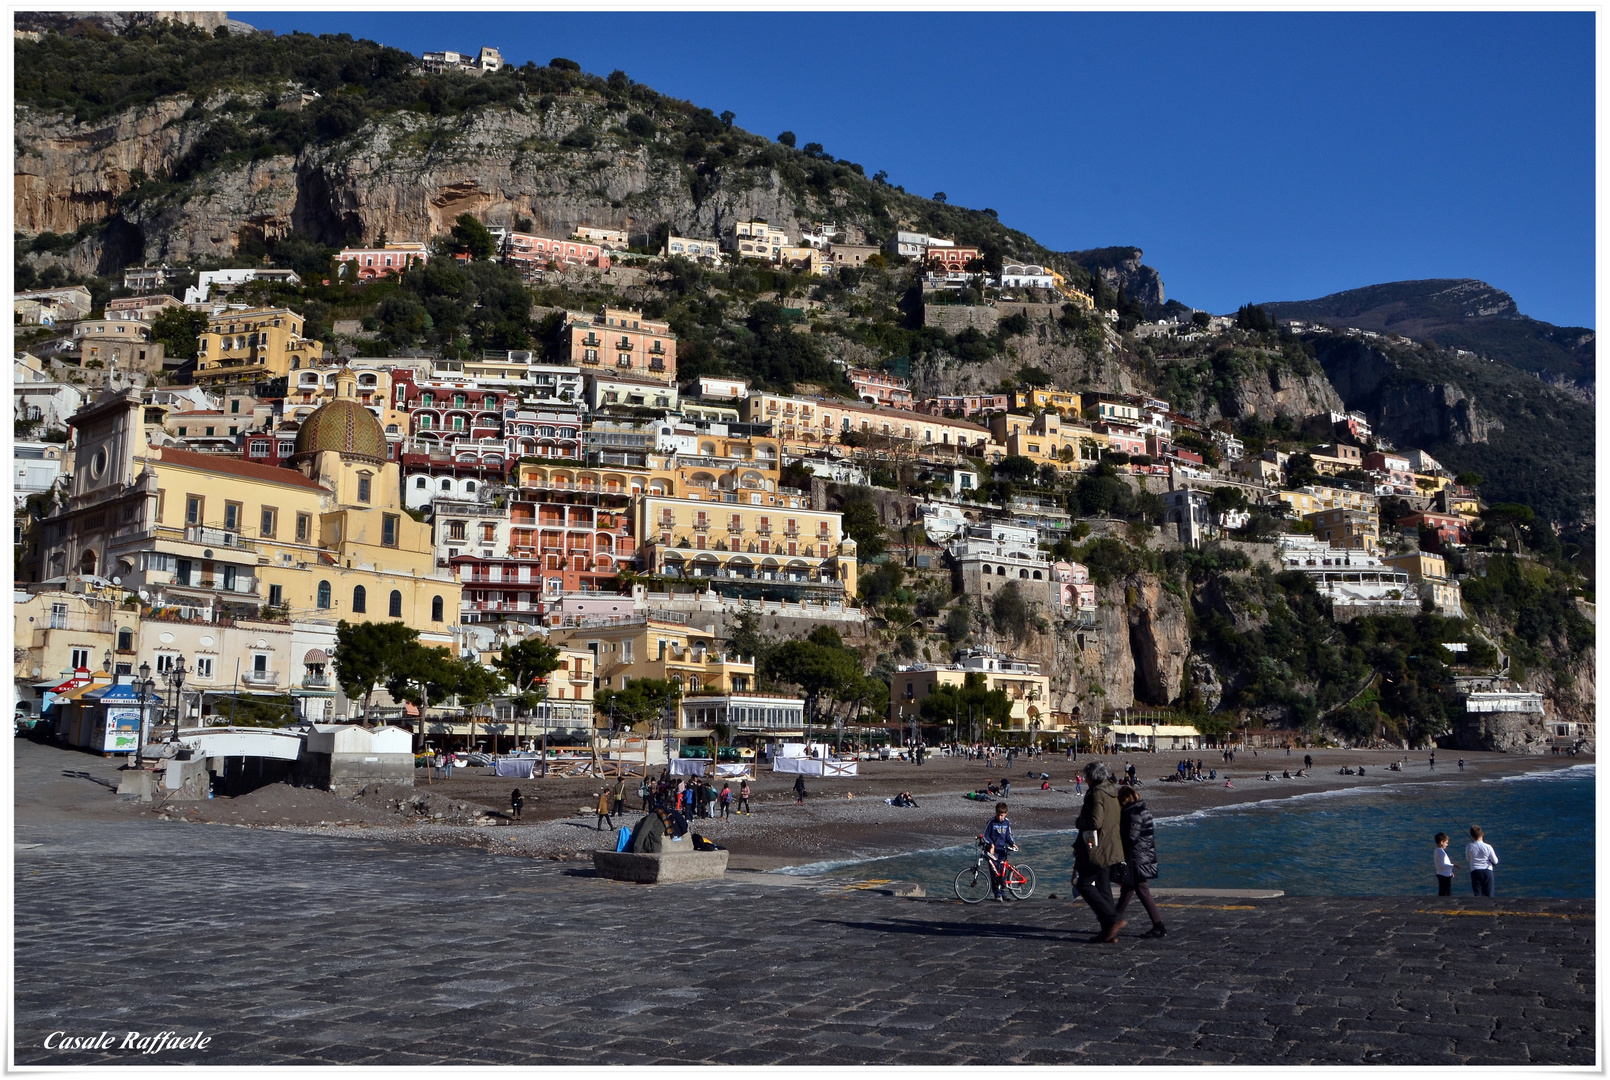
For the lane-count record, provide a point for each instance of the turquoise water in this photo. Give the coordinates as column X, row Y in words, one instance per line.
column 1374, row 842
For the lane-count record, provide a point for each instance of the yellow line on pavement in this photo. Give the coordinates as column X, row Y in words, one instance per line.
column 1521, row 914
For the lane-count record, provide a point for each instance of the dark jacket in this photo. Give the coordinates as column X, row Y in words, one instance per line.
column 1140, row 840
column 648, row 835
column 1101, row 815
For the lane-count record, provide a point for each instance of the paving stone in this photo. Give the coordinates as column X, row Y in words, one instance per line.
column 767, row 978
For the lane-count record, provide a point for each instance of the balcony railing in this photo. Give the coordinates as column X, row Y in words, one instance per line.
column 260, row 677
column 315, row 682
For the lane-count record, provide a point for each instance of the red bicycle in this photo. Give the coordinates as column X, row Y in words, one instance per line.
column 975, row 883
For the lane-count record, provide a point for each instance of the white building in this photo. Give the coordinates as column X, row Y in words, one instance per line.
column 693, row 249
column 720, row 387
column 229, row 280
column 36, row 467
column 836, row 470
column 616, row 391
column 1026, row 276
column 915, row 245
column 1349, row 578
column 553, row 384
column 614, row 239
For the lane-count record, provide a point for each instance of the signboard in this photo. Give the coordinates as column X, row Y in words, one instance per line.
column 122, row 731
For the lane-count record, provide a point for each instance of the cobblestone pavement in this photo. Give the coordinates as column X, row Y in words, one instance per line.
column 294, row 949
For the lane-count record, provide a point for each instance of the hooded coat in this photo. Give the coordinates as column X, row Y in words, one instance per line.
column 1102, row 816
column 1140, row 840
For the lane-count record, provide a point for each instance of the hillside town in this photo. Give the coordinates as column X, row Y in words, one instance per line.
column 221, row 517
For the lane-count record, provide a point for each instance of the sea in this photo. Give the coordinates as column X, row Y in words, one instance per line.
column 1373, row 841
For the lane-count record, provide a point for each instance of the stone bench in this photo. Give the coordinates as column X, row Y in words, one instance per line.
column 660, row 867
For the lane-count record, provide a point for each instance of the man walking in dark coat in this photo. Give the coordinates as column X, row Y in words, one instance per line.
column 1099, row 848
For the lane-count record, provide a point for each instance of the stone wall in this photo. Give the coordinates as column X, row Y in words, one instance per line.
column 954, row 318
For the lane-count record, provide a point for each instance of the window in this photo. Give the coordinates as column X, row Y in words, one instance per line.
column 203, row 667
column 125, row 639
column 447, row 485
column 231, row 515
column 229, row 578
column 165, row 663
column 259, row 448
column 489, row 533
column 419, row 484
column 193, row 507
column 363, row 488
column 394, row 609
column 360, row 600
column 276, row 595
column 435, row 609
column 455, row 530
column 388, row 530
column 269, row 522
column 304, row 525
column 470, row 487
column 260, row 663
column 626, row 651
column 234, row 405
column 287, row 449
column 80, row 659
column 324, row 596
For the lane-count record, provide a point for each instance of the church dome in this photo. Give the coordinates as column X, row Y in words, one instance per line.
column 345, row 427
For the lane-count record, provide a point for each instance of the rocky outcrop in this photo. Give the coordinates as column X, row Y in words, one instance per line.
column 1407, row 410
column 1159, row 639
column 1271, row 392
column 1121, row 267
column 407, row 175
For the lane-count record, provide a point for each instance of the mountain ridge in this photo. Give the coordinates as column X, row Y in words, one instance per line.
column 1456, row 313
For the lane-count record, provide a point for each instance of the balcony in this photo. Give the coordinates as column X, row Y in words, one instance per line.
column 260, row 677
column 315, row 681
column 701, row 526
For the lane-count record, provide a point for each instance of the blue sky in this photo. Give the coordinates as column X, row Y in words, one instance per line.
column 1253, row 157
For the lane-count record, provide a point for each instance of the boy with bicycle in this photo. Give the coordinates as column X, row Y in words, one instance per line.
column 997, row 839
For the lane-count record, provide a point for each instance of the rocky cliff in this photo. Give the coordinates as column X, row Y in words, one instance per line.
column 1121, row 267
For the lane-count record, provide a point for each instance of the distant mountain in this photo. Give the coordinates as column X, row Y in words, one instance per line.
column 1456, row 313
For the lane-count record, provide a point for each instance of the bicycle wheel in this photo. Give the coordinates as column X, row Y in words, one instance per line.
column 1020, row 883
column 972, row 884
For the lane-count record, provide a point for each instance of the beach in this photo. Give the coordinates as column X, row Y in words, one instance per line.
column 842, row 819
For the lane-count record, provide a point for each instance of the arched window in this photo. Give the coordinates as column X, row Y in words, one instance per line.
column 360, row 600
column 470, row 487
column 435, row 609
column 419, row 484
column 447, row 485
column 395, row 610
column 86, row 565
column 324, row 596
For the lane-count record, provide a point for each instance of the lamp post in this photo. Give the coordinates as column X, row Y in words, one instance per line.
column 176, row 680
column 542, row 703
column 145, row 684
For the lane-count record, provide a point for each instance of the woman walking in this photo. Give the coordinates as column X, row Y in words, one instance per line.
column 743, row 798
column 606, row 806
column 1099, row 848
column 1140, row 857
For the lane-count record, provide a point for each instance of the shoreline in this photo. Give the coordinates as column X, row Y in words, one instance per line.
column 843, row 821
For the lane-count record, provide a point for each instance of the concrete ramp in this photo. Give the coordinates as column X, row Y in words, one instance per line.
column 243, row 742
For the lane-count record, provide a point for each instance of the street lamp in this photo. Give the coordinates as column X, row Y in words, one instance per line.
column 542, row 703
column 146, row 684
column 176, row 680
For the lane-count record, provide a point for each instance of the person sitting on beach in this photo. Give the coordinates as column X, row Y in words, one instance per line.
column 1213, row 774
column 1285, row 774
column 1361, row 770
column 1268, row 776
column 903, row 799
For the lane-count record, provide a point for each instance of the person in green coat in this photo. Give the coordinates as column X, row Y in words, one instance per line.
column 1099, row 847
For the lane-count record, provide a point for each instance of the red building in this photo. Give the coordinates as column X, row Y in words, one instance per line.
column 448, row 411
column 534, row 251
column 953, row 258
column 1448, row 528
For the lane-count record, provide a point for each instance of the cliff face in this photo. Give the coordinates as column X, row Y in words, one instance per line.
column 1122, row 267
column 408, row 175
column 1269, row 393
column 1408, row 410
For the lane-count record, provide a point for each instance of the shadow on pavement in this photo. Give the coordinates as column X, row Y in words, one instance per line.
column 933, row 928
column 81, row 775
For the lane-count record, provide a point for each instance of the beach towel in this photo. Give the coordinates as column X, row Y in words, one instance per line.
column 623, row 837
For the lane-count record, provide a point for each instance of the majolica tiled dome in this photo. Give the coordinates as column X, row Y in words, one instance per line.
column 345, row 427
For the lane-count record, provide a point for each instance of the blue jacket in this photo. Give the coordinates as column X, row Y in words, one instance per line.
column 998, row 834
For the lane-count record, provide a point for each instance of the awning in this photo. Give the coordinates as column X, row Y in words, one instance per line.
column 316, row 656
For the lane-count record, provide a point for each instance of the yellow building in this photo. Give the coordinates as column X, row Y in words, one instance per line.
column 1312, row 498
column 758, row 240
column 1430, row 571
column 1022, row 682
column 813, row 261
column 1354, row 530
column 805, row 424
column 1337, row 458
column 1047, row 439
column 1063, row 401
column 58, row 633
column 219, row 536
column 254, row 345
column 659, row 645
column 310, row 389
column 721, row 540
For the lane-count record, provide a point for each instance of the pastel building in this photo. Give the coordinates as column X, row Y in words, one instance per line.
column 388, row 260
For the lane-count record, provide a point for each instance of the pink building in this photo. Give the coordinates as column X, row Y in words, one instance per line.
column 954, row 259
column 375, row 262
column 1122, row 439
column 533, row 251
column 878, row 388
column 1075, row 589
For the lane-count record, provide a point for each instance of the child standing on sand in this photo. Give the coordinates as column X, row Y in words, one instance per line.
column 1442, row 865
